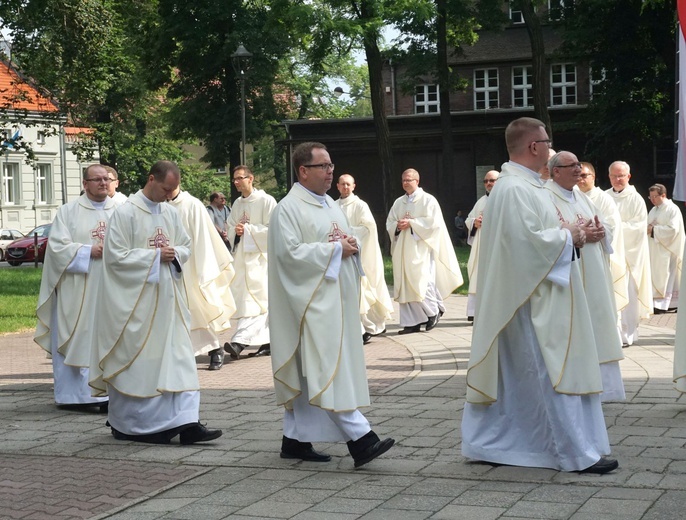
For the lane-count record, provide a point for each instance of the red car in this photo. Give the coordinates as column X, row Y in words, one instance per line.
column 23, row 250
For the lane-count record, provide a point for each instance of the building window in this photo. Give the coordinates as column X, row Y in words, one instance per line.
column 40, row 139
column 426, row 99
column 522, row 91
column 595, row 78
column 516, row 15
column 44, row 184
column 485, row 89
column 556, row 9
column 11, row 183
column 562, row 84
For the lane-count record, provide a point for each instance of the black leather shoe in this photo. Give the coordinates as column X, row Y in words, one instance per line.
column 216, row 359
column 264, row 350
column 433, row 320
column 604, row 465
column 470, row 318
column 366, row 338
column 293, row 449
column 164, row 437
column 104, row 407
column 368, row 448
column 198, row 433
column 659, row 311
column 379, row 334
column 233, row 349
column 410, row 330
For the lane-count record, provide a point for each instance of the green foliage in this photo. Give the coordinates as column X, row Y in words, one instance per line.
column 19, row 287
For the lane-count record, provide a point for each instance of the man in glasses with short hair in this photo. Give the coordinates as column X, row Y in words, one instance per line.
column 71, row 274
column 118, row 197
column 473, row 223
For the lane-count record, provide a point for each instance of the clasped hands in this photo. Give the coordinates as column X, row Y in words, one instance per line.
column 592, row 231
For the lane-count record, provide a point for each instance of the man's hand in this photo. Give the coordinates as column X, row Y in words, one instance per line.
column 96, row 251
column 167, row 254
column 239, row 230
column 578, row 233
column 403, row 224
column 478, row 221
column 650, row 230
column 596, row 232
column 349, row 246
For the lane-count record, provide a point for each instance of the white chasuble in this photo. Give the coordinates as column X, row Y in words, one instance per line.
column 575, row 208
column 207, row 275
column 522, row 229
column 249, row 286
column 612, row 220
column 666, row 249
column 375, row 301
column 144, row 346
column 72, row 292
column 412, row 249
column 474, row 241
column 314, row 319
column 632, row 209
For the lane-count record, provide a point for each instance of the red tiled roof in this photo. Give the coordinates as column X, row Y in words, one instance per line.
column 17, row 94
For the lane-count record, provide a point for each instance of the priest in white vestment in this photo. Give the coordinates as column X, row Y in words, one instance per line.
column 634, row 214
column 425, row 268
column 666, row 245
column 376, row 305
column 118, row 197
column 144, row 358
column 207, row 275
column 536, row 323
column 575, row 208
column 473, row 223
column 314, row 293
column 72, row 268
column 247, row 230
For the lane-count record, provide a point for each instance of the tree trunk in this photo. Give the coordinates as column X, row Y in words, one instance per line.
column 533, row 27
column 447, row 176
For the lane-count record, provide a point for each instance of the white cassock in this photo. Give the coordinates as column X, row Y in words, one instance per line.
column 612, row 220
column 473, row 236
column 666, row 247
column 632, row 209
column 376, row 305
column 144, row 358
column 119, row 198
column 536, row 322
column 249, row 286
column 425, row 268
column 317, row 354
column 207, row 275
column 66, row 303
column 575, row 208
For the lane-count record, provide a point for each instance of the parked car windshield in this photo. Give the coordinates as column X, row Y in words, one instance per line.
column 41, row 231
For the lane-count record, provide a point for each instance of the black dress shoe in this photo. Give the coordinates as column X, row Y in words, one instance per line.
column 433, row 320
column 366, row 338
column 104, row 407
column 233, row 349
column 293, row 449
column 198, row 433
column 264, row 350
column 379, row 334
column 410, row 330
column 659, row 311
column 164, row 437
column 368, row 447
column 216, row 359
column 604, row 465
column 470, row 318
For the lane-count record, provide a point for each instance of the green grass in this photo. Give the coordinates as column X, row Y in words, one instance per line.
column 462, row 253
column 19, row 288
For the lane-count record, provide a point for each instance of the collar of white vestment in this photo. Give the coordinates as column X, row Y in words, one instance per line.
column 535, row 176
column 319, row 198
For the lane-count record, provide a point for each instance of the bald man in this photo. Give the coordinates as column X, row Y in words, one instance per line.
column 473, row 223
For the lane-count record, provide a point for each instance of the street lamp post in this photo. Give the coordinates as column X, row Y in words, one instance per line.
column 240, row 60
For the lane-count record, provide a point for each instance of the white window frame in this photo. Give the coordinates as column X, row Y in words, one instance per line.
column 11, row 183
column 483, row 87
column 516, row 15
column 593, row 84
column 426, row 99
column 558, row 5
column 40, row 138
column 44, row 189
column 525, row 88
column 563, row 91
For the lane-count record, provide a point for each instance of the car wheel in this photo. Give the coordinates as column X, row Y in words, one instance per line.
column 14, row 263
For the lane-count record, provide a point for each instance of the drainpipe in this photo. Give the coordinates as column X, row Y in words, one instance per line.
column 63, row 162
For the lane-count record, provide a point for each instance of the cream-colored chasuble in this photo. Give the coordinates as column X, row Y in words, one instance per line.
column 609, row 215
column 74, row 294
column 249, row 286
column 314, row 321
column 207, row 275
column 472, row 263
column 666, row 248
column 412, row 248
column 144, row 345
column 595, row 273
column 530, row 242
column 632, row 209
column 374, row 297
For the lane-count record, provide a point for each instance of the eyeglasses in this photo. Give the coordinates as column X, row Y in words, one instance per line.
column 572, row 165
column 99, row 179
column 322, row 166
column 548, row 141
column 410, row 180
column 246, row 177
column 584, row 175
column 112, row 180
column 486, row 181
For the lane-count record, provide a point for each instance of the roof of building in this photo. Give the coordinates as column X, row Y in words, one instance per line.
column 509, row 44
column 17, row 93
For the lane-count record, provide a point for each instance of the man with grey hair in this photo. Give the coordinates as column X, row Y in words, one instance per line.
column 666, row 245
column 532, row 318
column 634, row 214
